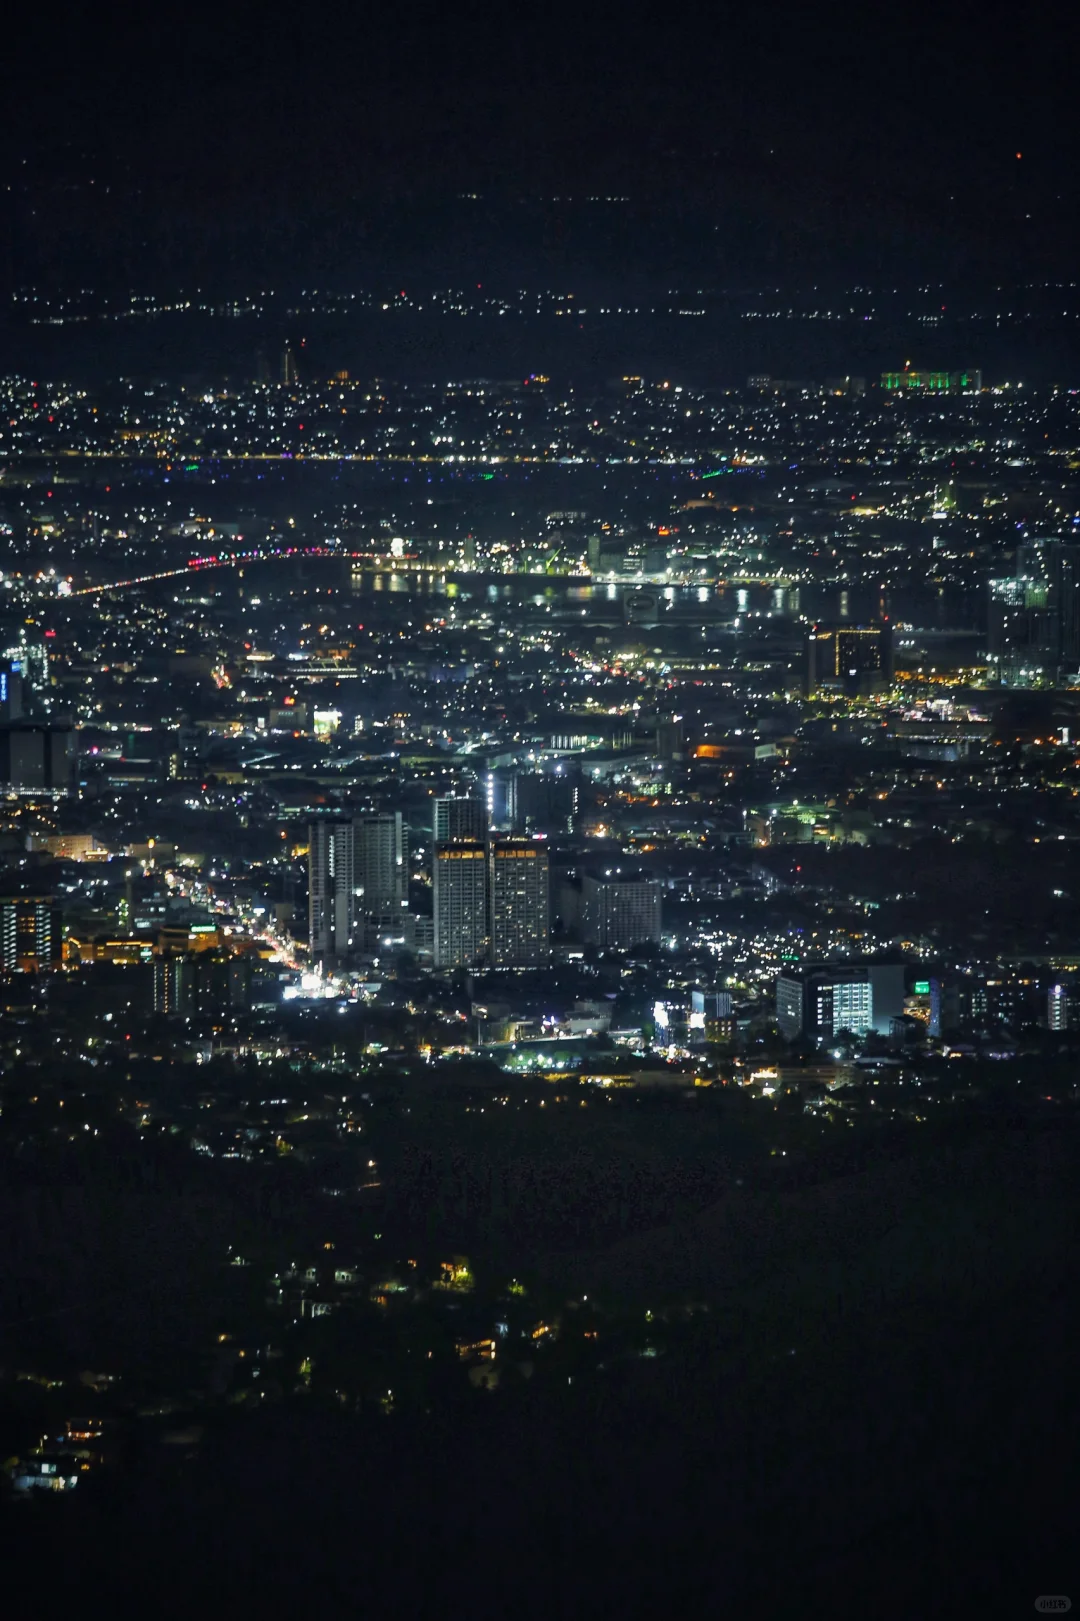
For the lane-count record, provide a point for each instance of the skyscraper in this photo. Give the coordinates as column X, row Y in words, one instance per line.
column 461, row 911
column 332, row 899
column 454, row 819
column 519, row 902
column 382, row 874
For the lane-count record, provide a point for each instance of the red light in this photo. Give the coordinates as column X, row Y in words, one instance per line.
column 50, row 633
column 300, row 425
column 49, row 494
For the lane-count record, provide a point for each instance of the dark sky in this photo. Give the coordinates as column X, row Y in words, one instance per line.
column 751, row 140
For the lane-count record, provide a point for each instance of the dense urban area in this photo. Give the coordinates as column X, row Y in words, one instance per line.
column 516, row 893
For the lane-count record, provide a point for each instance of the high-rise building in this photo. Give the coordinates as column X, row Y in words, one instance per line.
column 173, row 984
column 382, row 874
column 1061, row 1007
column 25, row 654
column 460, row 924
column 853, row 997
column 36, row 757
column 30, row 933
column 11, row 691
column 519, row 891
column 1034, row 616
column 545, row 801
column 204, row 983
column 619, row 912
column 850, row 659
column 455, row 819
column 333, row 904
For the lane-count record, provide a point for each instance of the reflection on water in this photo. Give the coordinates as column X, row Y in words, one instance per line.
column 928, row 605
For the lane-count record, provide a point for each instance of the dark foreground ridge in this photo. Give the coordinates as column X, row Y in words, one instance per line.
column 868, row 1403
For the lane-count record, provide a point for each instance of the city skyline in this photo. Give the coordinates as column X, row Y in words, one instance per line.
column 539, row 811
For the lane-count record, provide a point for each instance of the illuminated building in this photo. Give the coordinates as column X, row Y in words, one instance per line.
column 853, row 660
column 460, row 904
column 332, row 898
column 205, row 983
column 823, row 1002
column 1063, row 1007
column 519, row 902
column 932, row 382
column 11, row 691
column 172, row 985
column 30, row 933
column 27, row 656
column 1034, row 617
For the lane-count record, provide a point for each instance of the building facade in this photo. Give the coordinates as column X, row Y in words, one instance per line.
column 30, row 934
column 519, row 899
column 460, row 923
column 618, row 913
column 455, row 819
column 333, row 905
column 822, row 1003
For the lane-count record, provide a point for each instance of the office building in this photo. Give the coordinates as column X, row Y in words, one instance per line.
column 852, row 660
column 618, row 913
column 519, row 898
column 455, row 819
column 333, row 904
column 821, row 1003
column 460, row 924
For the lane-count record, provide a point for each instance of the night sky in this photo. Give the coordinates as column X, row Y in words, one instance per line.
column 764, row 141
